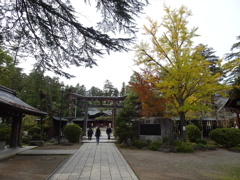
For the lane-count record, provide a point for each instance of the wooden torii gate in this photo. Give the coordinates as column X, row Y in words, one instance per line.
column 113, row 104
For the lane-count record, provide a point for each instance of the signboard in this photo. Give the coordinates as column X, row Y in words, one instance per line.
column 150, row 129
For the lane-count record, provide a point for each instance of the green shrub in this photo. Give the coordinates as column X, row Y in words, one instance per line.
column 165, row 140
column 193, row 133
column 72, row 132
column 140, row 144
column 149, row 142
column 34, row 130
column 36, row 136
column 227, row 137
column 235, row 149
column 28, row 121
column 5, row 132
column 201, row 142
column 154, row 145
column 183, row 147
column 45, row 127
column 25, row 140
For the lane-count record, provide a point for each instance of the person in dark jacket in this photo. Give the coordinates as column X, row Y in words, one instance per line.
column 108, row 131
column 90, row 133
column 98, row 134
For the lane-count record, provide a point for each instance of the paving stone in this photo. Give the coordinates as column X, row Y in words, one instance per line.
column 90, row 162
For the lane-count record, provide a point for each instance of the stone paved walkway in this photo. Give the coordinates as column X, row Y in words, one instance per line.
column 92, row 161
column 95, row 162
column 8, row 152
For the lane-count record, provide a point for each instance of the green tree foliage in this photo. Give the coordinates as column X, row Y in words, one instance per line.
column 10, row 75
column 53, row 34
column 208, row 53
column 179, row 71
column 109, row 89
column 234, row 58
column 28, row 121
column 80, row 89
column 234, row 76
column 78, row 105
column 123, row 89
column 95, row 91
column 42, row 92
column 124, row 127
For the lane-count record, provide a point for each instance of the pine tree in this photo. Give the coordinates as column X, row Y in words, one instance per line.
column 50, row 32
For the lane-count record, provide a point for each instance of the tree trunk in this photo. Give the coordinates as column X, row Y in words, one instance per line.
column 182, row 125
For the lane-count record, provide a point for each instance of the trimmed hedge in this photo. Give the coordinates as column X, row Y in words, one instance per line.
column 140, row 144
column 183, row 147
column 72, row 132
column 193, row 133
column 34, row 130
column 201, row 142
column 227, row 137
column 154, row 145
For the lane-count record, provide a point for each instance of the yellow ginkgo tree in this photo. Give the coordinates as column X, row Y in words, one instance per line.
column 184, row 78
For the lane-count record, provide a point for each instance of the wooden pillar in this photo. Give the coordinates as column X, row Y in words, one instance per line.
column 85, row 118
column 19, row 131
column 16, row 130
column 114, row 114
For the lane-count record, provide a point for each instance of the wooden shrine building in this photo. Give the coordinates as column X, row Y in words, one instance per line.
column 13, row 108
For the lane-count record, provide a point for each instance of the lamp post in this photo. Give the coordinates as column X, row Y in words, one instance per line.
column 60, row 124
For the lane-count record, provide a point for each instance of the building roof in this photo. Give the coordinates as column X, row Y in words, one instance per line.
column 10, row 102
column 221, row 102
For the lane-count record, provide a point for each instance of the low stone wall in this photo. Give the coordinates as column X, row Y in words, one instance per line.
column 154, row 128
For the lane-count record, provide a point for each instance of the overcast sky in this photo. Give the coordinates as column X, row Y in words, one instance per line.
column 217, row 20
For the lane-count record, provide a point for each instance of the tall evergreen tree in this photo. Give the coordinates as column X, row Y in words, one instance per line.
column 94, row 91
column 123, row 89
column 108, row 88
column 10, row 75
column 234, row 58
column 208, row 53
column 42, row 92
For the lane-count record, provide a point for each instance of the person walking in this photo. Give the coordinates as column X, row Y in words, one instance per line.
column 90, row 133
column 108, row 131
column 98, row 134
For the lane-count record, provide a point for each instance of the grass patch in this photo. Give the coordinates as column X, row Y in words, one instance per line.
column 227, row 173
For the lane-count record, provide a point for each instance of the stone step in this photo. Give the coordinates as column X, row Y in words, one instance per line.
column 102, row 139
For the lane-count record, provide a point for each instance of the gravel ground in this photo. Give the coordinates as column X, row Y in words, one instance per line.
column 208, row 165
